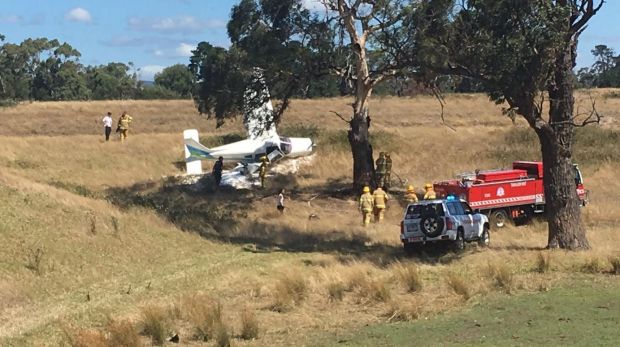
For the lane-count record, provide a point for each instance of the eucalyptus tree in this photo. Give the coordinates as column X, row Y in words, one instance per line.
column 524, row 53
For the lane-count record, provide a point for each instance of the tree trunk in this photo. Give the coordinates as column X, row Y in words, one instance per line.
column 566, row 229
column 363, row 166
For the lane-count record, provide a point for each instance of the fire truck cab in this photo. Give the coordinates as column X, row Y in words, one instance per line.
column 506, row 195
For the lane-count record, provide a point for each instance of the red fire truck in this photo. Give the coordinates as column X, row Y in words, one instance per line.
column 513, row 195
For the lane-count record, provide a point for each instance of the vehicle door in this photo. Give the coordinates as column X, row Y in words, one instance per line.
column 475, row 219
column 456, row 211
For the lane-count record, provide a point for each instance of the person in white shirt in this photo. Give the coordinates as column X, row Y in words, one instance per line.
column 280, row 201
column 107, row 125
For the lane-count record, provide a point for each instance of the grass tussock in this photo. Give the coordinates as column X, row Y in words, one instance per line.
column 205, row 317
column 543, row 263
column 377, row 290
column 615, row 265
column 502, row 277
column 289, row 290
column 335, row 290
column 399, row 311
column 249, row 325
column 123, row 334
column 459, row 285
column 594, row 265
column 409, row 276
column 156, row 324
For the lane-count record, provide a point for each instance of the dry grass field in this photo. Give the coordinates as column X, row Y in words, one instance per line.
column 98, row 250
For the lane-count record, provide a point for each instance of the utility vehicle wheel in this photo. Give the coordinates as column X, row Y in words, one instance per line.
column 500, row 218
column 485, row 238
column 459, row 243
column 431, row 225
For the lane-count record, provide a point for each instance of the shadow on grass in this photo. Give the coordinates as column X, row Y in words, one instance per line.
column 222, row 215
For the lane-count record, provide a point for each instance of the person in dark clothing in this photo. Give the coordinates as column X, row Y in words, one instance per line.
column 217, row 171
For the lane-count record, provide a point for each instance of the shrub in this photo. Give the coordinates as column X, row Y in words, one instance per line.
column 289, row 291
column 206, row 317
column 409, row 277
column 34, row 260
column 155, row 324
column 459, row 285
column 222, row 337
column 249, row 325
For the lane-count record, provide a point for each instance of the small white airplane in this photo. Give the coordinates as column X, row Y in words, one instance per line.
column 262, row 140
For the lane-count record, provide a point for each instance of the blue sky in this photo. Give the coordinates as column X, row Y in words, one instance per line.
column 157, row 33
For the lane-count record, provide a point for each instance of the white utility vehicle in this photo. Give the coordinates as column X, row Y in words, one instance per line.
column 448, row 220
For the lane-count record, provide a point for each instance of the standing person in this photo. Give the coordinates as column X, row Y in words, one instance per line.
column 280, row 201
column 366, row 205
column 217, row 171
column 107, row 125
column 380, row 198
column 411, row 197
column 388, row 172
column 430, row 193
column 262, row 171
column 123, row 125
column 380, row 169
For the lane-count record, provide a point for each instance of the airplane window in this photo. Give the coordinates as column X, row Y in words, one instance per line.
column 286, row 145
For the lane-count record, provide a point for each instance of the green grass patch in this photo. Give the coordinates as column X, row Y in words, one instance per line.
column 579, row 313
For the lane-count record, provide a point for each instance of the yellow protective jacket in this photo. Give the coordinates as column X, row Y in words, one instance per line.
column 123, row 122
column 380, row 198
column 366, row 202
column 411, row 197
column 262, row 170
column 430, row 195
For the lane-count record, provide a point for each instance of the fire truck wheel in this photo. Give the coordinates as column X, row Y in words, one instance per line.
column 459, row 243
column 485, row 238
column 500, row 218
column 431, row 225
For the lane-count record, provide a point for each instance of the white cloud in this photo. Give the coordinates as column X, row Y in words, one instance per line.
column 147, row 73
column 78, row 14
column 180, row 24
column 11, row 19
column 184, row 50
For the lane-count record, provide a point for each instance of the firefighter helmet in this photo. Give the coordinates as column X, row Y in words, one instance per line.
column 410, row 189
column 428, row 186
column 366, row 189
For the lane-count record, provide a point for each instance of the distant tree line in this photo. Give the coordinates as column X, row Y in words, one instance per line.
column 604, row 73
column 48, row 70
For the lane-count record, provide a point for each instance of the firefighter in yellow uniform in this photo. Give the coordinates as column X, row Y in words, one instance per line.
column 381, row 198
column 366, row 206
column 430, row 193
column 262, row 171
column 410, row 196
column 123, row 125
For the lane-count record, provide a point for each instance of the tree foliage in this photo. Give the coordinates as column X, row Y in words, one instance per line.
column 177, row 78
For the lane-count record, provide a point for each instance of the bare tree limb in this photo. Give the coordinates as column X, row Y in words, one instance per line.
column 341, row 117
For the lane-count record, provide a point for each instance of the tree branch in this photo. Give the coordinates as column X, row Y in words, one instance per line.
column 341, row 117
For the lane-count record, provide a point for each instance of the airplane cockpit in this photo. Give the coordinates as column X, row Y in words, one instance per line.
column 286, row 145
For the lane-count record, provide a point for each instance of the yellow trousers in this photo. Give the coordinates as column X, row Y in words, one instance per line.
column 379, row 212
column 366, row 217
column 124, row 133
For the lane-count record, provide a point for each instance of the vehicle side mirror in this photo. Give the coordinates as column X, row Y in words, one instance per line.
column 476, row 211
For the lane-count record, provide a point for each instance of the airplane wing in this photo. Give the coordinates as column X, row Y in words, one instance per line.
column 197, row 151
column 257, row 108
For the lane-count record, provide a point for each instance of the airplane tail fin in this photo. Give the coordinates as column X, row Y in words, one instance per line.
column 197, row 151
